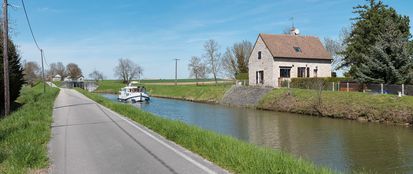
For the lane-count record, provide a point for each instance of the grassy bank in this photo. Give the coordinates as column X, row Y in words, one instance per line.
column 202, row 93
column 227, row 152
column 346, row 105
column 24, row 134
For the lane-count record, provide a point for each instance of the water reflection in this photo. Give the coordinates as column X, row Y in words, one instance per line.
column 339, row 144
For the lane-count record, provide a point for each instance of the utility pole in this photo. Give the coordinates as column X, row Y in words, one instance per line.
column 176, row 72
column 44, row 79
column 6, row 59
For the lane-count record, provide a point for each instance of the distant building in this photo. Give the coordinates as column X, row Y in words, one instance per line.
column 67, row 79
column 80, row 78
column 57, row 77
column 276, row 58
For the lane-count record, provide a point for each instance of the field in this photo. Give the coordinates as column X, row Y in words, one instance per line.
column 229, row 153
column 346, row 105
column 24, row 134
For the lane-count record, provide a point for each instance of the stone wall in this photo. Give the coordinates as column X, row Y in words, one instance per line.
column 244, row 96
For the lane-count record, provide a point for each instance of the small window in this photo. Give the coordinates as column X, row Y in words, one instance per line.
column 301, row 71
column 285, row 72
column 259, row 54
column 297, row 49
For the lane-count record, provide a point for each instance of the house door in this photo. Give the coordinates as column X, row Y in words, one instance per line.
column 259, row 77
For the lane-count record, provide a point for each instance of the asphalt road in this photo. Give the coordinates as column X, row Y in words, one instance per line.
column 89, row 138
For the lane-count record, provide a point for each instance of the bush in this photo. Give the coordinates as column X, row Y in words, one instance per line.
column 242, row 76
column 313, row 83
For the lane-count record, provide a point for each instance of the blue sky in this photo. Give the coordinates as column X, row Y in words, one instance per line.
column 95, row 33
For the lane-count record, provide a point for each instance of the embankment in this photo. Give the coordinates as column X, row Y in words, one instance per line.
column 345, row 105
column 244, row 96
column 227, row 152
column 24, row 134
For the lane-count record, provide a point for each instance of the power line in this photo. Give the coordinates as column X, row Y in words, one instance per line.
column 37, row 45
column 30, row 26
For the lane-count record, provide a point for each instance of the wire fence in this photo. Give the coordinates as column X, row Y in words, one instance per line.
column 394, row 89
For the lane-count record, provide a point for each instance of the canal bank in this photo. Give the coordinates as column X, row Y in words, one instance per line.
column 227, row 152
column 364, row 107
column 342, row 145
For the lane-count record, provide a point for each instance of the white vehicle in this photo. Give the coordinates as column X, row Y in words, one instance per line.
column 133, row 93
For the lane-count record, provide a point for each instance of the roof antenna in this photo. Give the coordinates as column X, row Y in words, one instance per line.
column 294, row 31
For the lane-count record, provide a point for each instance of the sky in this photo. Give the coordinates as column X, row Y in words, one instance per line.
column 95, row 33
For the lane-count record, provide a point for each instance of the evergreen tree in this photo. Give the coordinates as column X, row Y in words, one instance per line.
column 392, row 62
column 375, row 20
column 15, row 74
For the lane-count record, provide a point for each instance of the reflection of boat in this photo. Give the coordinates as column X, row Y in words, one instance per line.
column 133, row 93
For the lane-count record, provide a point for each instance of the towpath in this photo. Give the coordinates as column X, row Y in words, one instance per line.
column 89, row 138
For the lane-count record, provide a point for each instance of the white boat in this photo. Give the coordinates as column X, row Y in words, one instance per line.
column 133, row 93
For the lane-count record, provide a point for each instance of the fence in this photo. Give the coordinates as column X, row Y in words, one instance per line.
column 354, row 87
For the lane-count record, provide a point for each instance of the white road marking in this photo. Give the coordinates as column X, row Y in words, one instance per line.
column 206, row 169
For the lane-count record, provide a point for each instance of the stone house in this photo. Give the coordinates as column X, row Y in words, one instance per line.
column 277, row 58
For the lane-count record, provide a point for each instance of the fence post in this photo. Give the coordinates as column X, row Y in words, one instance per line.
column 348, row 87
column 338, row 86
column 333, row 87
column 382, row 88
column 402, row 89
column 288, row 84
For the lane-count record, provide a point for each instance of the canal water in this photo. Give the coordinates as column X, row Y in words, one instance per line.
column 342, row 145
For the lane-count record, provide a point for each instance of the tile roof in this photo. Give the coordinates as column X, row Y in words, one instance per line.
column 290, row 46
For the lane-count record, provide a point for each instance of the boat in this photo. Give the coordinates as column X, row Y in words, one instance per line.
column 133, row 92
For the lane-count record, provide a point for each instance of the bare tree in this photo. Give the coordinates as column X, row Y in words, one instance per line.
column 56, row 68
column 73, row 70
column 334, row 47
column 126, row 70
column 197, row 69
column 212, row 58
column 235, row 59
column 229, row 64
column 31, row 71
column 96, row 75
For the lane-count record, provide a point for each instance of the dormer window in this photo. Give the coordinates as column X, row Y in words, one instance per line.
column 259, row 54
column 297, row 49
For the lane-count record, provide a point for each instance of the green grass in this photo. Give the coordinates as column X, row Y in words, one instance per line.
column 57, row 83
column 204, row 93
column 229, row 153
column 24, row 134
column 347, row 105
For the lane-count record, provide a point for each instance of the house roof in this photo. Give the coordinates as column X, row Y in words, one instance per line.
column 291, row 46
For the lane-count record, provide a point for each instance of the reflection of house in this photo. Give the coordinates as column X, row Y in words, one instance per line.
column 276, row 58
column 57, row 77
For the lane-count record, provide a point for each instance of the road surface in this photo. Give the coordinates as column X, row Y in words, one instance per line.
column 89, row 138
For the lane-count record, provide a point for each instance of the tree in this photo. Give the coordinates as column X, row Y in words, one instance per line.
column 73, row 70
column 56, row 68
column 392, row 62
column 96, row 75
column 235, row 59
column 31, row 72
column 373, row 21
column 15, row 74
column 212, row 58
column 335, row 47
column 126, row 70
column 197, row 68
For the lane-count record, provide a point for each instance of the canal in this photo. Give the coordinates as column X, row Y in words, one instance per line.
column 342, row 145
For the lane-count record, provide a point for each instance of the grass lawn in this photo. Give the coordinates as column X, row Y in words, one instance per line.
column 348, row 105
column 24, row 134
column 227, row 152
column 204, row 93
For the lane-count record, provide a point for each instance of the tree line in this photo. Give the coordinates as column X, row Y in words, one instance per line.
column 233, row 62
